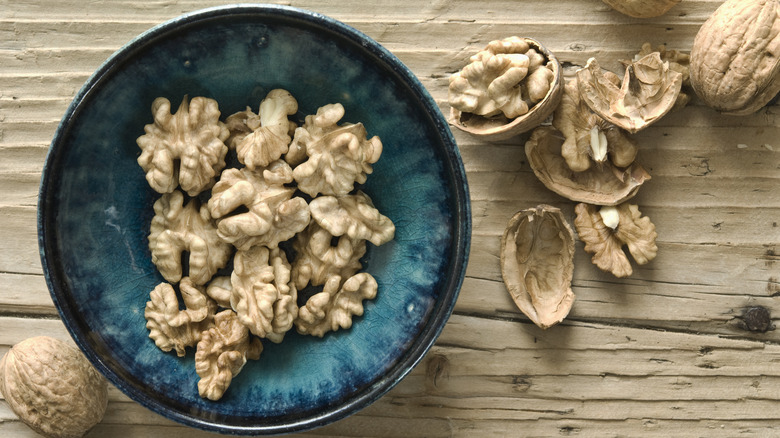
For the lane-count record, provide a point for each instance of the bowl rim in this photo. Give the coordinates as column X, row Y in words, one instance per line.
column 454, row 168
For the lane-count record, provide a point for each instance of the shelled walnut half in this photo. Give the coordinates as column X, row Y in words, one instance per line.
column 590, row 140
column 605, row 230
column 604, row 184
column 537, row 264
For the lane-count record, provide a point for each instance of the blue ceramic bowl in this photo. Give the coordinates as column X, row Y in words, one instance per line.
column 95, row 209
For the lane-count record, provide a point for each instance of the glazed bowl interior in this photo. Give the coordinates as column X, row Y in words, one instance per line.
column 95, row 208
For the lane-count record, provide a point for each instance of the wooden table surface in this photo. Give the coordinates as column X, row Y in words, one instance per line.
column 666, row 352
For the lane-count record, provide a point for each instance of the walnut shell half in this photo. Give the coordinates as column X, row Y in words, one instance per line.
column 52, row 387
column 602, row 184
column 648, row 91
column 735, row 59
column 537, row 264
column 500, row 127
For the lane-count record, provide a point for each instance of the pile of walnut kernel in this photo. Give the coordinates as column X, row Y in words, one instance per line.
column 294, row 184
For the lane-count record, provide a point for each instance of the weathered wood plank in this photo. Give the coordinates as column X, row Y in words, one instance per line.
column 459, row 11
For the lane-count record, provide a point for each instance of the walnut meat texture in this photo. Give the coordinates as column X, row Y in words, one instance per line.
column 254, row 207
column 332, row 157
column 606, row 230
column 537, row 264
column 506, row 78
column 172, row 328
column 589, row 138
column 222, row 352
column 735, row 58
column 178, row 228
column 648, row 91
column 319, row 257
column 334, row 307
column 263, row 295
column 185, row 149
column 260, row 139
column 354, row 216
column 642, row 8
column 603, row 184
column 52, row 387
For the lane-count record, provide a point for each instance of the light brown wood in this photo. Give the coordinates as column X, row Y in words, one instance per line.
column 662, row 353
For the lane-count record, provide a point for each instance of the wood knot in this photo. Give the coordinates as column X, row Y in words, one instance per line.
column 756, row 319
column 437, row 371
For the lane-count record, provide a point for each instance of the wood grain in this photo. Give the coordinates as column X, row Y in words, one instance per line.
column 662, row 353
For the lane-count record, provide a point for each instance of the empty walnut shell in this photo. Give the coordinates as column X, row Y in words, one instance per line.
column 537, row 263
column 603, row 184
column 499, row 127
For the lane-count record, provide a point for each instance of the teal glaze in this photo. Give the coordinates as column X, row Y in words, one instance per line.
column 95, row 208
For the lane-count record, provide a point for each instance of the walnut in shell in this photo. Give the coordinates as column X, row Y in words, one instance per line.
column 607, row 229
column 509, row 87
column 186, row 148
column 642, row 8
column 537, row 264
column 334, row 307
column 222, row 352
column 604, row 184
column 52, row 387
column 177, row 228
column 648, row 91
column 735, row 59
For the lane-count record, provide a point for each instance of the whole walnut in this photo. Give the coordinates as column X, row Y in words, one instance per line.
column 735, row 59
column 52, row 387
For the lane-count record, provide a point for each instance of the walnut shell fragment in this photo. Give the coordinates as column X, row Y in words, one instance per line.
column 735, row 58
column 52, row 387
column 679, row 62
column 537, row 264
column 606, row 230
column 603, row 184
column 642, row 8
column 648, row 91
column 509, row 87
